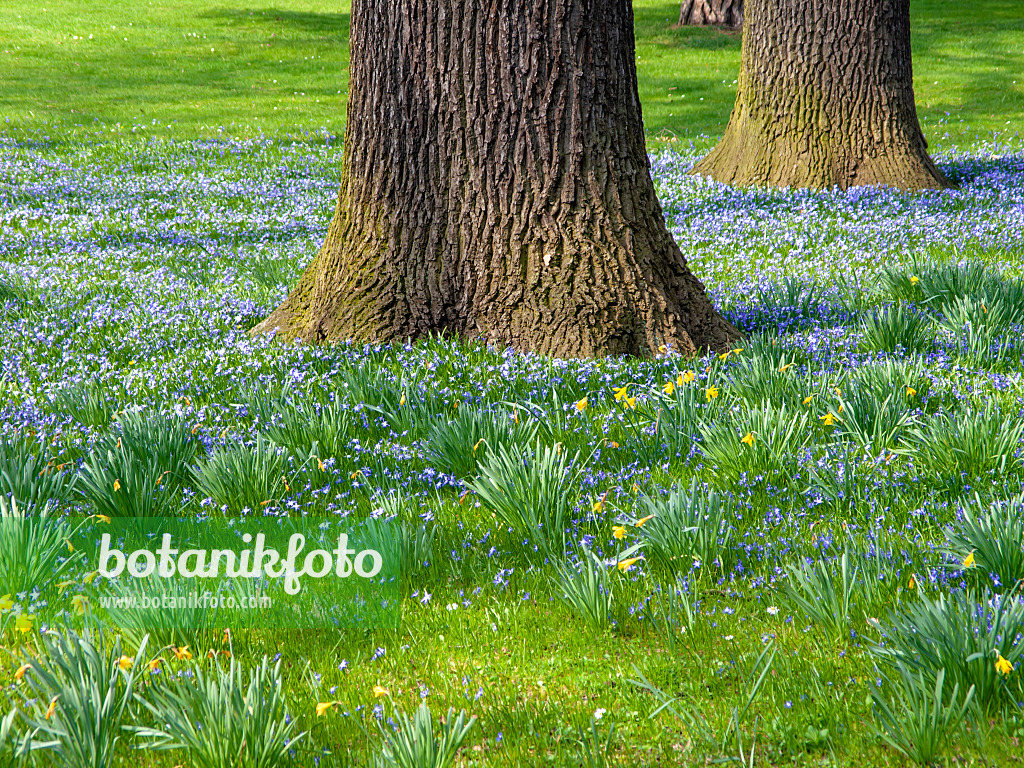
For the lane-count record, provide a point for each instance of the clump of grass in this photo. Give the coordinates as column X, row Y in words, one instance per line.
column 117, row 484
column 906, row 377
column 33, row 550
column 895, row 328
column 223, row 717
column 88, row 403
column 954, row 448
column 679, row 414
column 688, row 527
column 966, row 634
column 417, row 743
column 78, row 694
column 586, row 589
column 762, row 443
column 181, row 621
column 763, row 379
column 404, row 547
column 994, row 535
column 531, row 493
column 310, row 431
column 981, row 326
column 919, row 718
column 15, row 746
column 874, row 422
column 458, row 445
column 828, row 593
column 30, row 478
column 242, row 478
column 162, row 441
column 670, row 612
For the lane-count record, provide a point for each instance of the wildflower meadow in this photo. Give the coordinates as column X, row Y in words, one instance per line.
column 805, row 550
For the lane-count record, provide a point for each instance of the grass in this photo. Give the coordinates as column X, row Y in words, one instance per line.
column 129, row 278
column 192, row 68
column 147, row 309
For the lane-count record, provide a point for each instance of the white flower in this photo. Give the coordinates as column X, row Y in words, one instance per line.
column 599, row 713
column 773, row 610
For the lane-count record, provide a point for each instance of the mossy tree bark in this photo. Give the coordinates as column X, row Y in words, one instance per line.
column 496, row 184
column 703, row 13
column 825, row 98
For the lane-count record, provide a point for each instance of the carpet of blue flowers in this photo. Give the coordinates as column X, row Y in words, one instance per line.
column 807, row 550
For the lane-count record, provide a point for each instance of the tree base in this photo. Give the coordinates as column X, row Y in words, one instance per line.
column 752, row 156
column 711, row 13
column 614, row 313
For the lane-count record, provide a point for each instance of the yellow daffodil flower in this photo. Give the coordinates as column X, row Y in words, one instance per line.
column 599, row 505
column 79, row 603
column 52, row 708
column 21, row 671
column 625, row 565
column 323, row 706
column 6, row 603
column 401, row 401
column 911, row 391
column 23, row 623
column 828, row 419
column 181, row 654
column 688, row 376
column 117, row 485
column 711, row 393
column 581, row 405
column 786, row 367
column 669, row 388
column 619, row 532
column 154, row 663
column 969, row 561
column 914, row 279
column 630, row 402
column 620, row 392
column 808, row 399
column 1003, row 666
column 379, row 691
column 103, row 519
column 912, row 583
column 748, row 439
column 642, row 520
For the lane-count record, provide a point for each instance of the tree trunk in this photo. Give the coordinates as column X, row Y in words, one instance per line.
column 825, row 98
column 705, row 13
column 496, row 184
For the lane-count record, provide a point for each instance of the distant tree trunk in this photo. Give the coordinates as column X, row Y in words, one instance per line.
column 703, row 13
column 825, row 98
column 496, row 184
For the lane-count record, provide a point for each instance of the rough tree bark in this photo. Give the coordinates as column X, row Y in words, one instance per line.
column 703, row 13
column 495, row 184
column 825, row 98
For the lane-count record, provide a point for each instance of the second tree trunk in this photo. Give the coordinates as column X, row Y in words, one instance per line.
column 825, row 98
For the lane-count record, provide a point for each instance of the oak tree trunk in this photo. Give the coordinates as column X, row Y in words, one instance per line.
column 496, row 184
column 703, row 13
column 825, row 98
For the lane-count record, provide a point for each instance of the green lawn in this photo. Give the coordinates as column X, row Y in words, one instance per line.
column 195, row 67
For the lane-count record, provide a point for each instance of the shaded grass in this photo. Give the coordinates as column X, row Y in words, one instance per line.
column 193, row 67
